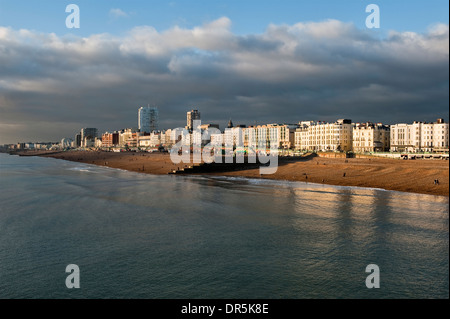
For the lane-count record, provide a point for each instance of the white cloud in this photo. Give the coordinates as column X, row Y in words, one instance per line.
column 118, row 13
column 287, row 73
column 282, row 53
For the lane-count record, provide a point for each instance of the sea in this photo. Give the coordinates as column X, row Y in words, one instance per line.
column 135, row 235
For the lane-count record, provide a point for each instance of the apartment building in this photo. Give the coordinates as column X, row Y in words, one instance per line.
column 420, row 137
column 148, row 119
column 370, row 137
column 110, row 139
column 279, row 136
column 323, row 136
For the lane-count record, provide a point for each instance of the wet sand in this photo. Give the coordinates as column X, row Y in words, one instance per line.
column 415, row 176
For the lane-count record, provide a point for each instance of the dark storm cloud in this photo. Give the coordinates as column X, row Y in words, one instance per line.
column 52, row 86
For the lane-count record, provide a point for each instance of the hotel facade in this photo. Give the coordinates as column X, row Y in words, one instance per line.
column 325, row 137
column 420, row 137
column 370, row 137
column 278, row 136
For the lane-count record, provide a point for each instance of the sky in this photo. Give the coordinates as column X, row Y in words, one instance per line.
column 254, row 62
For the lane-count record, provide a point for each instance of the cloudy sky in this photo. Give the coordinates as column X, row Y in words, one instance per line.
column 251, row 61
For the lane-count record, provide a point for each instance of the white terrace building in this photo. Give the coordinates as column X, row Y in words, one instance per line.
column 369, row 137
column 234, row 136
column 321, row 136
column 279, row 136
column 420, row 137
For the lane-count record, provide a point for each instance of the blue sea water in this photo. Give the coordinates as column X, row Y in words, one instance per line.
column 143, row 236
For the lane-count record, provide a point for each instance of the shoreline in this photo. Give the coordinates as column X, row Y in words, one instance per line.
column 229, row 178
column 413, row 176
column 385, row 174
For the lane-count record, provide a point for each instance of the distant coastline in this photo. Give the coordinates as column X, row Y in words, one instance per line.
column 416, row 176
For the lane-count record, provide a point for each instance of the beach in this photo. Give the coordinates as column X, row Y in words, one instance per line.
column 416, row 176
